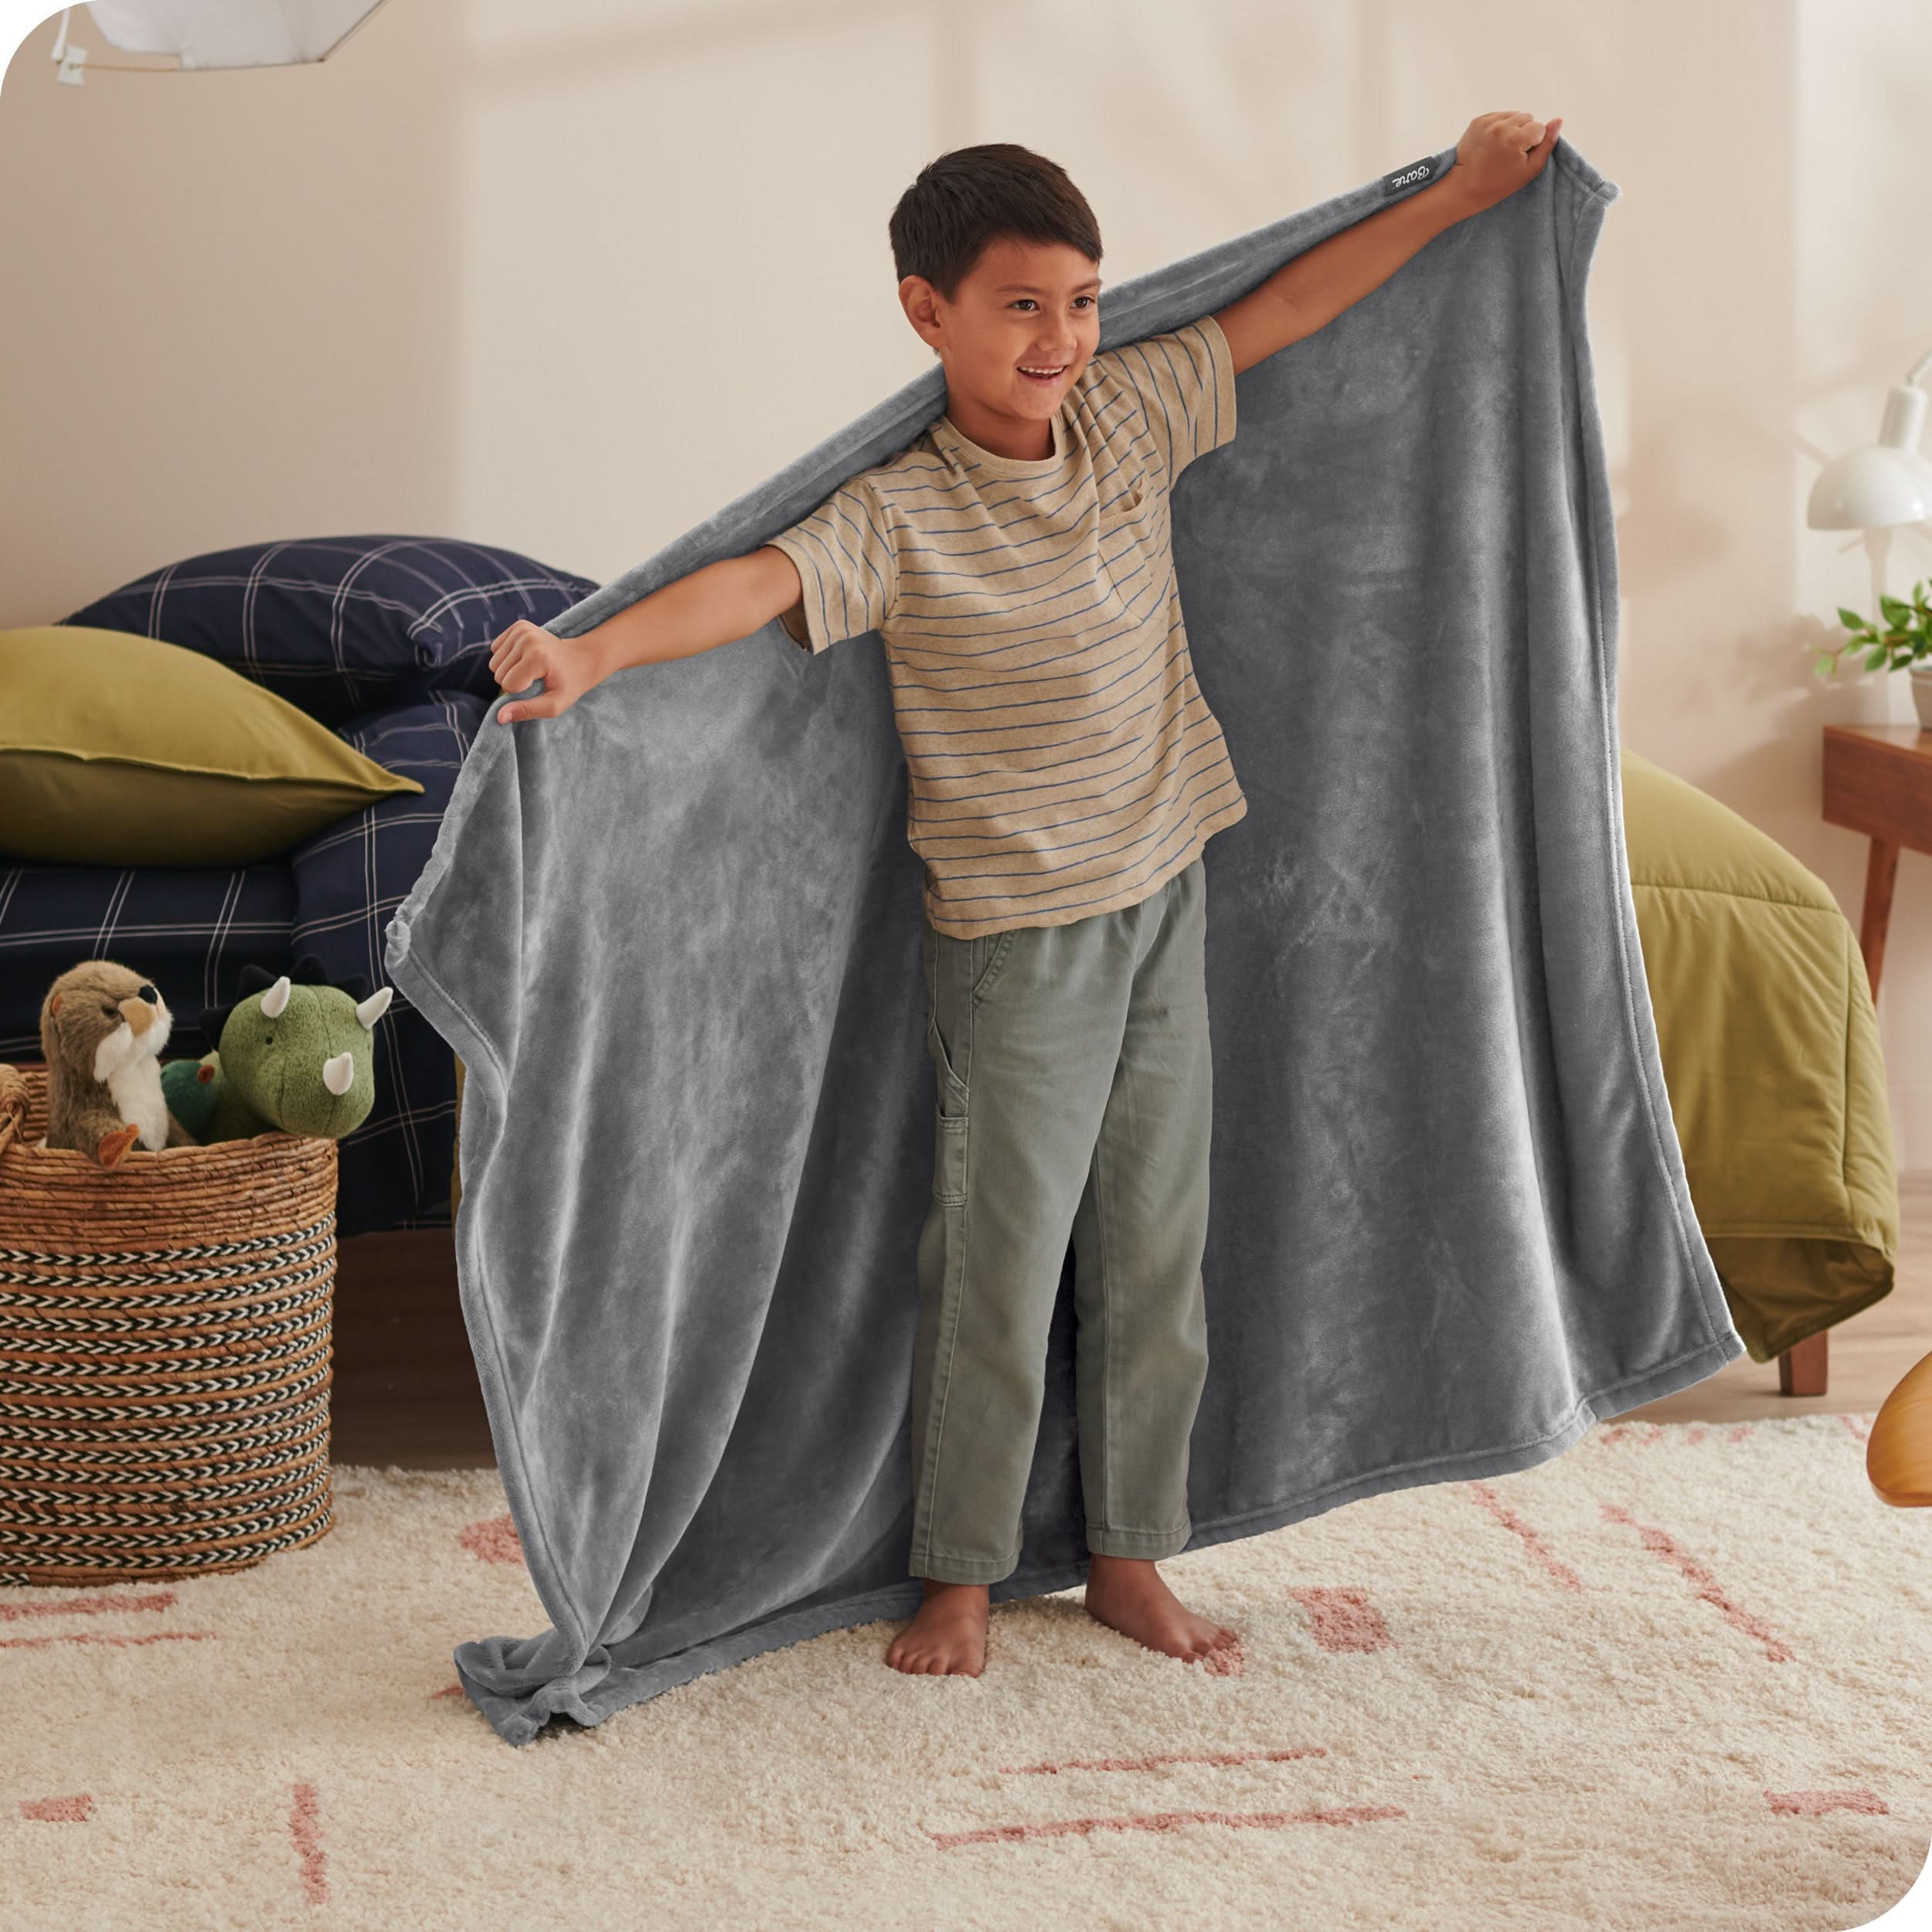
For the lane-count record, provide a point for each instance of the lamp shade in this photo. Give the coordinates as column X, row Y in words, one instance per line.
column 230, row 33
column 1870, row 489
column 1884, row 483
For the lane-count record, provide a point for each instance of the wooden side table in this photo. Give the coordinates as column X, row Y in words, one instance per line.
column 1878, row 780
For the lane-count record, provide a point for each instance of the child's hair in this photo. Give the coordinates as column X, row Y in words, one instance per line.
column 974, row 195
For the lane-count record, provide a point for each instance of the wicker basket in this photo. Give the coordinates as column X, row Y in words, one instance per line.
column 166, row 1351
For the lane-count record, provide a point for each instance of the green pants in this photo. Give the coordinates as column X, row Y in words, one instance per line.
column 1073, row 1099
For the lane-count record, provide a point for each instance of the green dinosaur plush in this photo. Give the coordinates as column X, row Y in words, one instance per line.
column 298, row 1055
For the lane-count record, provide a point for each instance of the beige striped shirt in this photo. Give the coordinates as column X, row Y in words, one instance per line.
column 1061, row 760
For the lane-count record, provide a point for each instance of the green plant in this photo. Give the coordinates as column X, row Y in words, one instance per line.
column 1905, row 640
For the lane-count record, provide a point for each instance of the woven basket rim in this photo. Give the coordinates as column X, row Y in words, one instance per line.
column 274, row 1146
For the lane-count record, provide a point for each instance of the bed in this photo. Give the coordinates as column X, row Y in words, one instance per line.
column 1765, row 1021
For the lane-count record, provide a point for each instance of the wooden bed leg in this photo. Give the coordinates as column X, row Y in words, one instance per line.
column 1804, row 1369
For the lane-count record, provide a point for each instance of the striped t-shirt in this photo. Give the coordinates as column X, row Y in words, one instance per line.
column 1061, row 760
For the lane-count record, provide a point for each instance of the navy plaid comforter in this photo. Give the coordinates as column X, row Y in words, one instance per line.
column 192, row 932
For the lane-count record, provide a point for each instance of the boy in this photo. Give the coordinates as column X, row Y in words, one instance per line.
column 1064, row 773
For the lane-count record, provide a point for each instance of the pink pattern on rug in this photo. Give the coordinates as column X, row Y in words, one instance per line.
column 1166, row 1822
column 76, row 1810
column 1343, row 1619
column 1612, row 1433
column 494, row 1541
column 1168, row 1757
column 102, row 1603
column 1696, row 1432
column 106, row 1637
column 450, row 1690
column 1859, row 1426
column 304, row 1827
column 1660, row 1543
column 1811, row 1804
column 1738, row 1432
column 1495, row 1505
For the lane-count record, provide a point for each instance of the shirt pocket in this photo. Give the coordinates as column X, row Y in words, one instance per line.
column 1131, row 505
column 1133, row 529
column 1131, row 491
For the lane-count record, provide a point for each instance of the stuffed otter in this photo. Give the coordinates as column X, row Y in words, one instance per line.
column 102, row 1028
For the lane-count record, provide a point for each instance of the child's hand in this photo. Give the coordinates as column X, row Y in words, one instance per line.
column 525, row 652
column 1498, row 152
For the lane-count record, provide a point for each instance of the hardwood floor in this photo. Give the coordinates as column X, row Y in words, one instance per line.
column 405, row 1389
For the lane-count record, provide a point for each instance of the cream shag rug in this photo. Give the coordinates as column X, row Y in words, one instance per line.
column 1680, row 1677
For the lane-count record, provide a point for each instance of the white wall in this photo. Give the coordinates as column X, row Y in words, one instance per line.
column 569, row 279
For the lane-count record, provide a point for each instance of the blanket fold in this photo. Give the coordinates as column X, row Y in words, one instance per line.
column 674, row 936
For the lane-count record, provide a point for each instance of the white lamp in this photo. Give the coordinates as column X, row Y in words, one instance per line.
column 1882, row 483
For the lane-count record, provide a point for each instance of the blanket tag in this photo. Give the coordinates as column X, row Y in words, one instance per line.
column 1416, row 174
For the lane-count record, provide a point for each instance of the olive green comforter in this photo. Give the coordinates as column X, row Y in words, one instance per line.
column 1770, row 1051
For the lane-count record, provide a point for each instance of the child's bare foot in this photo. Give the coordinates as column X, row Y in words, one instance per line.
column 1128, row 1594
column 947, row 1634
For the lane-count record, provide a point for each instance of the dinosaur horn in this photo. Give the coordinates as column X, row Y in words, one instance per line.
column 275, row 997
column 370, row 1011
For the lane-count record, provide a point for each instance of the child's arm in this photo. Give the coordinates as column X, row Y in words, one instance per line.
column 729, row 599
column 1497, row 154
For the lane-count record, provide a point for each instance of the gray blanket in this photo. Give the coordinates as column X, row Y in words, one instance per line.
column 674, row 935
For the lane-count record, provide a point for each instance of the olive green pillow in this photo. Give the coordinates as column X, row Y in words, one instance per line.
column 117, row 750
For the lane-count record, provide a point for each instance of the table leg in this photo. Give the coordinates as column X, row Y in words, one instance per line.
column 1881, row 870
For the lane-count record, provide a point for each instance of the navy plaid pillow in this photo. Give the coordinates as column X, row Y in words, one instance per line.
column 341, row 625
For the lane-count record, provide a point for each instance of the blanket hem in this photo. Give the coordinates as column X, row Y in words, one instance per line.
column 486, row 1079
column 513, row 1720
column 1600, row 554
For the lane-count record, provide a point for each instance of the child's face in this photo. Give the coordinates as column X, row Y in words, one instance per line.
column 1025, row 306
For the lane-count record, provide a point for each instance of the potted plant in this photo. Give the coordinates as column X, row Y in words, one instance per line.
column 1904, row 643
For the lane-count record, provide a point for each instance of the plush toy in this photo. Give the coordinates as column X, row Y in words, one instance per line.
column 102, row 1028
column 296, row 1054
column 189, row 1087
